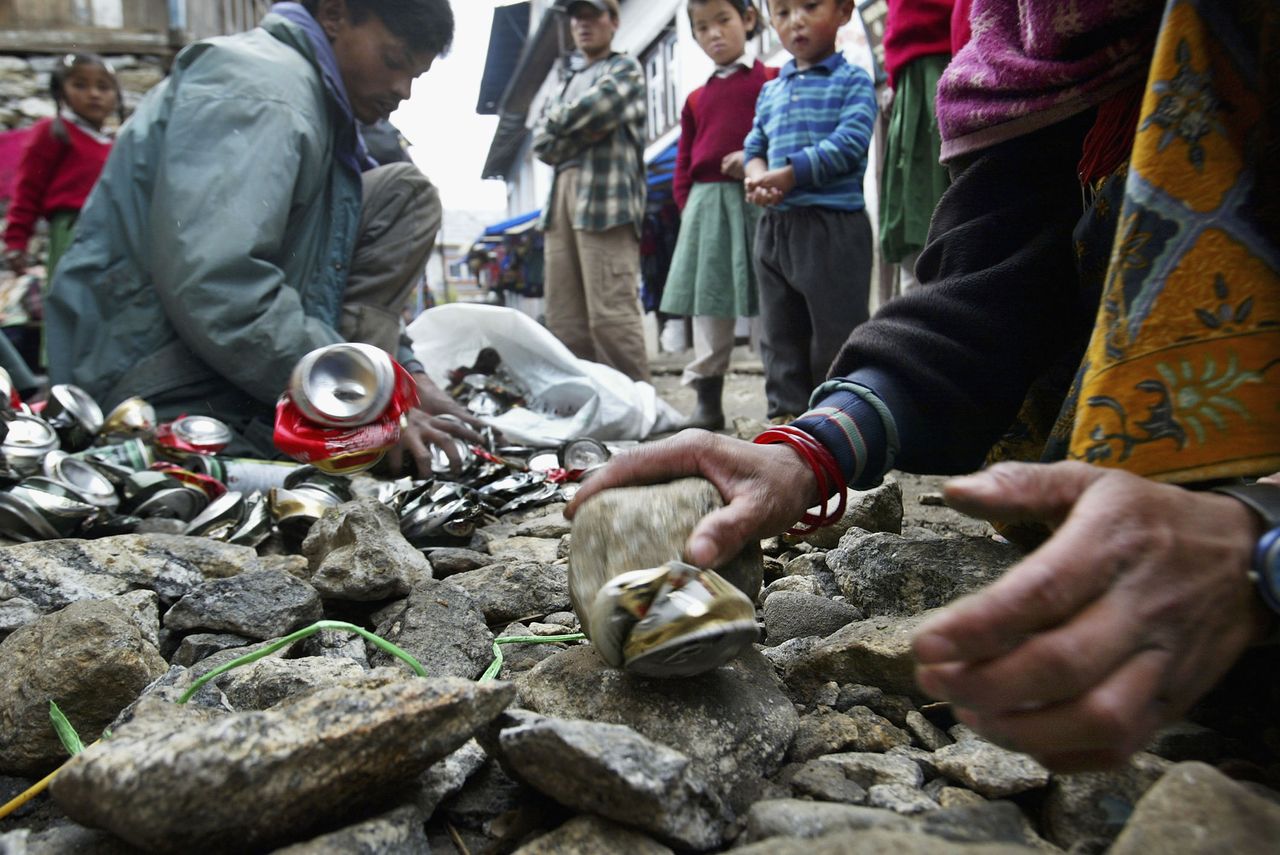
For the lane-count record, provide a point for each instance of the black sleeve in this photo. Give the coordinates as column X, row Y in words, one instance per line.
column 1000, row 302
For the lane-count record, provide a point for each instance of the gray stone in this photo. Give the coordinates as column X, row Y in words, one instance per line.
column 336, row 644
column 356, row 552
column 633, row 528
column 890, row 575
column 899, row 798
column 520, row 657
column 955, row 797
column 516, row 590
column 143, row 607
column 90, row 658
column 259, row 604
column 878, row 841
column 531, row 549
column 928, row 734
column 869, row 769
column 877, row 509
column 552, row 525
column 987, row 822
column 1195, row 808
column 1185, row 740
column 201, row 645
column 795, row 584
column 64, row 839
column 488, row 795
column 790, row 615
column 827, row 782
column 263, row 684
column 294, row 565
column 989, row 769
column 876, row 651
column 831, row 732
column 1096, row 805
column 786, row 654
column 796, row 818
column 398, row 832
column 733, row 722
column 814, row 566
column 448, row 776
column 52, row 574
column 440, row 626
column 591, row 835
column 251, row 780
column 922, row 758
column 612, row 771
column 450, row 561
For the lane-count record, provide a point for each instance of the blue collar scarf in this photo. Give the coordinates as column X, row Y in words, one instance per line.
column 350, row 148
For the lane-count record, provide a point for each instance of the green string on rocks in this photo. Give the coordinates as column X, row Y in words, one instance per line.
column 496, row 666
column 66, row 732
column 378, row 641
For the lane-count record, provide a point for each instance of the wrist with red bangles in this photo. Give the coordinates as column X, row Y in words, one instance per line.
column 825, row 470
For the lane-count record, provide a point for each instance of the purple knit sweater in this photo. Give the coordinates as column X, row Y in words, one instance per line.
column 1033, row 63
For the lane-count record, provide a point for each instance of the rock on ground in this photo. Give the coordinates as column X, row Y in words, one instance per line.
column 249, row 780
column 1196, row 809
column 259, row 604
column 356, row 552
column 591, row 835
column 440, row 626
column 398, row 832
column 90, row 658
column 875, row 651
column 879, row 841
column 877, row 509
column 514, row 590
column 989, row 769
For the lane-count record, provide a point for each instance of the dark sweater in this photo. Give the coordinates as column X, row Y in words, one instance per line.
column 1001, row 303
column 716, row 119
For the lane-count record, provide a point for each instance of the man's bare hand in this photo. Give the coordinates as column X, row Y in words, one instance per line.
column 766, row 488
column 1128, row 614
column 733, row 166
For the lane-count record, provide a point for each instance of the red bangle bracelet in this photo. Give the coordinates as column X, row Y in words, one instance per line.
column 825, row 471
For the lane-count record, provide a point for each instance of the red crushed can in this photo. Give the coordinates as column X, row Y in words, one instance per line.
column 192, row 435
column 342, row 450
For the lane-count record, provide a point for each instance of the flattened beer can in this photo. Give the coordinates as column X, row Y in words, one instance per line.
column 193, row 435
column 337, row 444
column 243, row 475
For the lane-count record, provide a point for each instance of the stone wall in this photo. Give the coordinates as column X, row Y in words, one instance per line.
column 24, row 85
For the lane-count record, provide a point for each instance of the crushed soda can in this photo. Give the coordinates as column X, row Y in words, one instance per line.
column 83, row 477
column 133, row 455
column 132, row 418
column 582, row 455
column 339, row 443
column 223, row 516
column 675, row 620
column 343, row 385
column 192, row 435
column 28, row 439
column 240, row 474
column 74, row 414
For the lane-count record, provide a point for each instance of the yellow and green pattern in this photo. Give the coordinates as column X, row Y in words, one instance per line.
column 1181, row 380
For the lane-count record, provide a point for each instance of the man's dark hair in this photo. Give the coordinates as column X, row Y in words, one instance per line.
column 425, row 25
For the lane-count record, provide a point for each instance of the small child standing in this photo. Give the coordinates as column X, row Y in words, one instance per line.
column 63, row 159
column 711, row 276
column 806, row 155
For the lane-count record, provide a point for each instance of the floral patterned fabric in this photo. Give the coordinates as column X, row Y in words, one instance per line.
column 1181, row 380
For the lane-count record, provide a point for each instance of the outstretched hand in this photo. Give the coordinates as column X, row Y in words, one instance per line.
column 424, row 427
column 1131, row 611
column 766, row 488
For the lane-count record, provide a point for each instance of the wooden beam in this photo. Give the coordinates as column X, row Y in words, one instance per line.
column 92, row 41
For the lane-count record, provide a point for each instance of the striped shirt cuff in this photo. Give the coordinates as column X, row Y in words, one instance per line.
column 851, row 421
column 803, row 168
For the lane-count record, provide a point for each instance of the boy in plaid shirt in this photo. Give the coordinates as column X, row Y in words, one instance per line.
column 806, row 155
column 593, row 134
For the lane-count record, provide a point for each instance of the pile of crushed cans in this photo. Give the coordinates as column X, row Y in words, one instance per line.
column 66, row 470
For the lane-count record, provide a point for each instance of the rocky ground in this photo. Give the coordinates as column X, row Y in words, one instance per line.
column 815, row 741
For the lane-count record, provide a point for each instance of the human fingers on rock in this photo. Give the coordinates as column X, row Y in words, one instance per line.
column 1112, row 720
column 1048, row 667
column 1022, row 492
column 653, row 463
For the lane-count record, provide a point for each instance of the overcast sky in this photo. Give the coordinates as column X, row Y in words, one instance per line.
column 449, row 140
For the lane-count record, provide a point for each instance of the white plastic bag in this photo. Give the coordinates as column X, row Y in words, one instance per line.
column 568, row 397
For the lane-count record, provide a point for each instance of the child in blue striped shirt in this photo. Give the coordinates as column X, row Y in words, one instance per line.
column 806, row 155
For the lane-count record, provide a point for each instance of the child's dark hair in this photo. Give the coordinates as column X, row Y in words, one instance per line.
column 742, row 6
column 425, row 25
column 58, row 83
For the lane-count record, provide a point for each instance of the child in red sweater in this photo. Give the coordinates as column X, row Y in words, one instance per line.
column 63, row 159
column 711, row 274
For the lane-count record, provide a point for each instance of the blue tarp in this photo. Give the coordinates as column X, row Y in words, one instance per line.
column 506, row 225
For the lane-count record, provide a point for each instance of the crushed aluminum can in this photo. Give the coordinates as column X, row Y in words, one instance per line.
column 343, row 385
column 193, row 435
column 63, row 509
column 223, row 516
column 28, row 440
column 295, row 512
column 132, row 454
column 132, row 418
column 20, row 520
column 210, row 486
column 83, row 477
column 256, row 527
column 243, row 475
column 74, row 414
column 583, row 454
column 440, row 464
column 676, row 620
